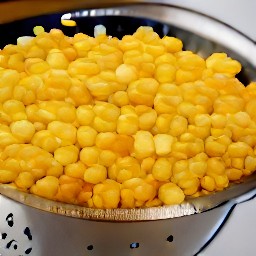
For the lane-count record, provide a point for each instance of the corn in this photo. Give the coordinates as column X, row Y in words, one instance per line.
column 143, row 91
column 25, row 180
column 85, row 114
column 89, row 155
column 238, row 149
column 23, row 130
column 86, row 136
column 163, row 144
column 46, row 187
column 162, row 169
column 208, row 183
column 95, row 174
column 144, row 144
column 170, row 193
column 65, row 132
column 75, row 170
column 7, row 176
column 137, row 122
column 66, row 155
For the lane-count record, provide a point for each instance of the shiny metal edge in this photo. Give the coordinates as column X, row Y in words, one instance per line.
column 189, row 207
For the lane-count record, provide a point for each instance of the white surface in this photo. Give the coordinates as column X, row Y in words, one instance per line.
column 237, row 236
column 237, row 13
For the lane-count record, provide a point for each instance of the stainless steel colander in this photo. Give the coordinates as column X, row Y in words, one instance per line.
column 56, row 229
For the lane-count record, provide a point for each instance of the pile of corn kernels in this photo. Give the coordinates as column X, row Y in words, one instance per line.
column 108, row 123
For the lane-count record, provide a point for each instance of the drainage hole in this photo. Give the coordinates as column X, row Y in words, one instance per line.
column 170, row 238
column 134, row 245
column 90, row 247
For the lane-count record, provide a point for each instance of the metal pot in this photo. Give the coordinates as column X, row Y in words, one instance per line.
column 52, row 228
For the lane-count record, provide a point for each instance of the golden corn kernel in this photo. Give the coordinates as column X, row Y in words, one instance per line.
column 75, row 170
column 46, row 187
column 95, row 174
column 66, row 155
column 163, row 144
column 162, row 169
column 170, row 193
column 25, row 180
column 86, row 136
column 23, row 130
column 144, row 144
column 208, row 183
column 89, row 155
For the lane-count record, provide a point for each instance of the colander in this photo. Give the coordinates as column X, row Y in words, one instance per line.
column 30, row 225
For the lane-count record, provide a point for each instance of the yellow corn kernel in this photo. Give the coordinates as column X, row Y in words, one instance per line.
column 89, row 155
column 165, row 73
column 163, row 144
column 105, row 140
column 228, row 104
column 178, row 125
column 66, row 155
column 234, row 174
column 23, row 130
column 46, row 140
column 214, row 148
column 75, row 170
column 167, row 99
column 86, row 136
column 126, row 73
column 65, row 132
column 162, row 169
column 36, row 66
column 189, row 186
column 107, row 158
column 144, row 192
column 172, row 44
column 55, row 169
column 95, row 174
column 215, row 165
column 237, row 163
column 119, row 98
column 143, row 91
column 143, row 144
column 220, row 63
column 238, row 149
column 129, row 42
column 69, row 192
column 38, row 30
column 127, row 198
column 108, row 193
column 166, row 58
column 147, row 164
column 221, row 181
column 85, row 114
column 15, row 109
column 170, row 193
column 57, row 60
column 127, row 124
column 46, row 187
column 249, row 164
column 208, row 183
column 147, row 117
column 16, row 62
column 25, row 180
column 125, row 168
column 7, row 176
